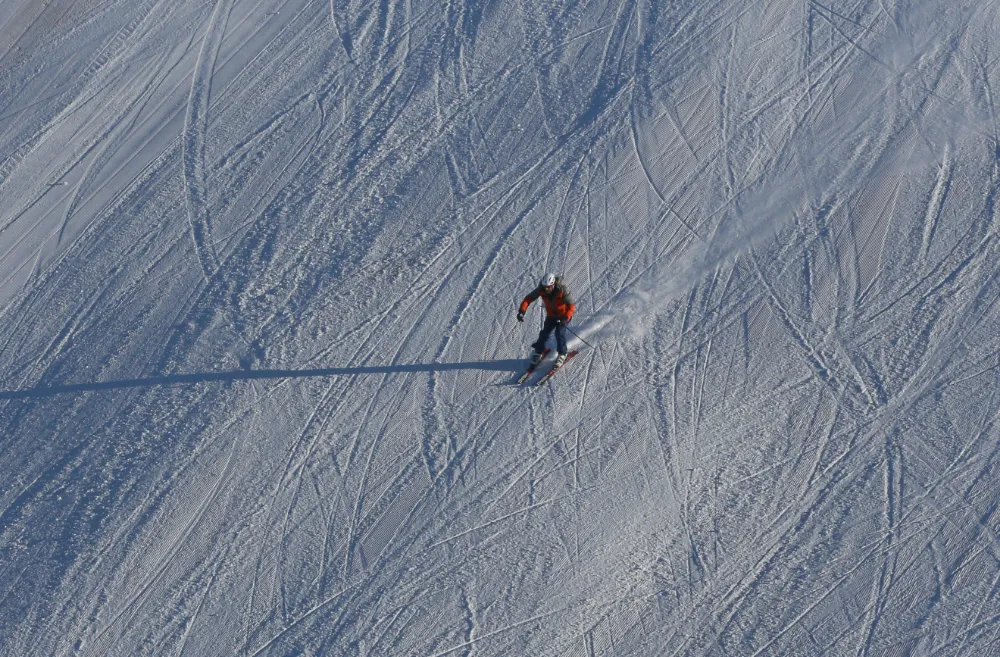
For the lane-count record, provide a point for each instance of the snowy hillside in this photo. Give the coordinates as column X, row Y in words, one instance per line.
column 259, row 268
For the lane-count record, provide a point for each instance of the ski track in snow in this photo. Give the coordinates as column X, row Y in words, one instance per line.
column 259, row 263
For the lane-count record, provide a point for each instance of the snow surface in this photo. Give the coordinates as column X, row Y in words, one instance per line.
column 259, row 262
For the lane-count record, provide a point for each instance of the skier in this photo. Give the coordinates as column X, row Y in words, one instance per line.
column 559, row 309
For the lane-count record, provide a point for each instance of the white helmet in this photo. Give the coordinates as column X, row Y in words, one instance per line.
column 547, row 280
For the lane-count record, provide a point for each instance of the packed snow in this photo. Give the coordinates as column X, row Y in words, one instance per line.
column 259, row 267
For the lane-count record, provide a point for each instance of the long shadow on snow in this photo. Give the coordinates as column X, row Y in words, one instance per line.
column 246, row 375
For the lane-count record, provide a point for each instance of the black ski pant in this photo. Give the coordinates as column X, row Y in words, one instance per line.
column 543, row 336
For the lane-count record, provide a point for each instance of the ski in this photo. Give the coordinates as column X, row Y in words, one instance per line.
column 548, row 375
column 531, row 369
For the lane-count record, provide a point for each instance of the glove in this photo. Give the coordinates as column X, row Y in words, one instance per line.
column 520, row 315
column 560, row 322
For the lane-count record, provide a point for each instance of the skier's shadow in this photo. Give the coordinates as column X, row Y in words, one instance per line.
column 251, row 375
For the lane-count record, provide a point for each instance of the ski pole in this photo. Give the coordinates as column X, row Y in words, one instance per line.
column 566, row 326
column 513, row 329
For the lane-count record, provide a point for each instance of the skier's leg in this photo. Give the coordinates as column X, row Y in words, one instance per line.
column 561, row 339
column 543, row 335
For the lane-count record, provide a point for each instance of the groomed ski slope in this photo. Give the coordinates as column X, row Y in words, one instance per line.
column 259, row 264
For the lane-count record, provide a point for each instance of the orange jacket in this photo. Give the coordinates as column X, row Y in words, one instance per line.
column 559, row 304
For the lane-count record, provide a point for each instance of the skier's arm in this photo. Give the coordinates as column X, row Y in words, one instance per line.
column 570, row 306
column 528, row 300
